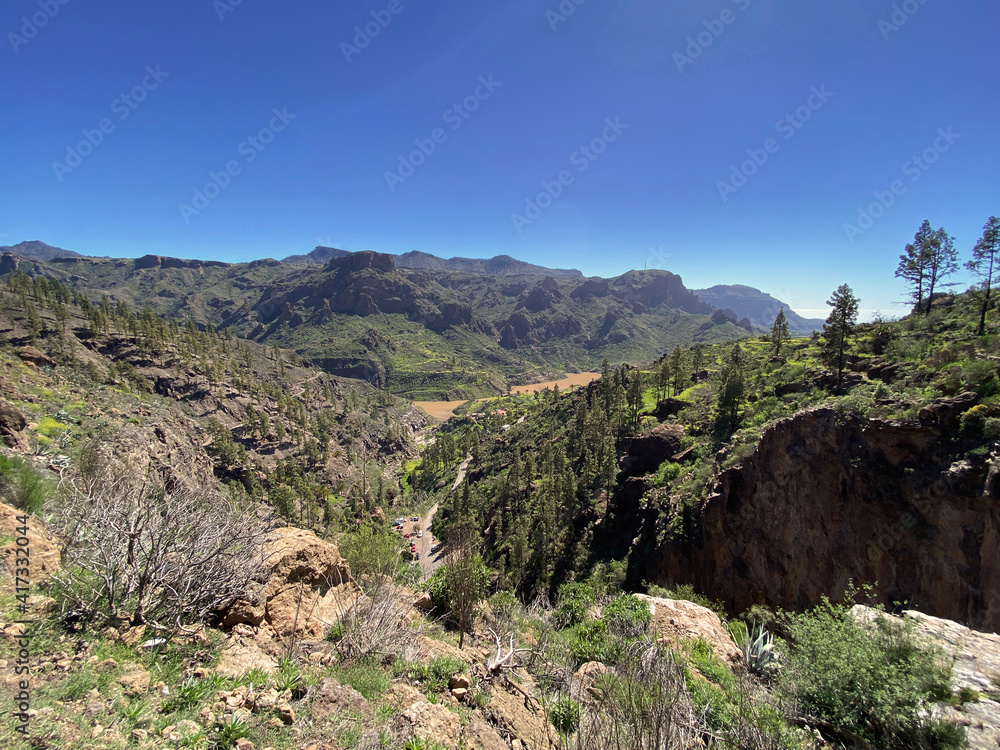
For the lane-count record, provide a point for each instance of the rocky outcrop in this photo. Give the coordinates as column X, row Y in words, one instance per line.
column 32, row 356
column 675, row 622
column 12, row 427
column 826, row 499
column 308, row 590
column 647, row 451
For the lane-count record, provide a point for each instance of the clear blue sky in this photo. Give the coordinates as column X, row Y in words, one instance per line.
column 652, row 197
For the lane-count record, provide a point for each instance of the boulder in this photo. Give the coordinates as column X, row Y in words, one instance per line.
column 431, row 721
column 307, row 591
column 646, row 452
column 945, row 411
column 12, row 427
column 135, row 680
column 32, row 356
column 334, row 699
column 675, row 621
column 670, row 407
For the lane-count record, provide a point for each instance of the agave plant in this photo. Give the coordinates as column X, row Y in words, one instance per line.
column 759, row 651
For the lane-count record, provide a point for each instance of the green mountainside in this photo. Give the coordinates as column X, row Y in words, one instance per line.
column 423, row 334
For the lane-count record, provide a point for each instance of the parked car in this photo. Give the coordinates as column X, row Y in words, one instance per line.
column 420, row 534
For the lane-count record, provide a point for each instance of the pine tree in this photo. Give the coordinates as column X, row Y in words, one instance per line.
column 838, row 328
column 779, row 332
column 942, row 262
column 732, row 386
column 913, row 263
column 985, row 259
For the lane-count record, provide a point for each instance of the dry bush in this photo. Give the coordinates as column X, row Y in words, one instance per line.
column 643, row 705
column 145, row 550
column 373, row 622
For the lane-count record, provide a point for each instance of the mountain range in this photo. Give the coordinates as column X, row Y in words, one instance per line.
column 418, row 325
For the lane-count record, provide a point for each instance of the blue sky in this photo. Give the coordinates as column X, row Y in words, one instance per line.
column 644, row 108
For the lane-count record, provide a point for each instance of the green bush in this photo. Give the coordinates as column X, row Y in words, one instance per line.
column 593, row 642
column 21, row 485
column 574, row 600
column 367, row 677
column 564, row 714
column 870, row 680
column 627, row 617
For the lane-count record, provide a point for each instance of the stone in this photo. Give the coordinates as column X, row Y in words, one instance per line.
column 33, row 356
column 139, row 736
column 135, row 680
column 431, row 722
column 286, row 714
column 460, row 681
column 974, row 658
column 331, row 698
column 12, row 427
column 674, row 621
column 243, row 744
column 459, row 693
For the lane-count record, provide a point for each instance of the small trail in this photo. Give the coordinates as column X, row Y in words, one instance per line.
column 428, row 563
column 462, row 470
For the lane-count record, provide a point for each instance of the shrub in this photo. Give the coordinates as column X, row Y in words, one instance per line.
column 574, row 600
column 21, row 485
column 870, row 680
column 592, row 642
column 367, row 677
column 564, row 714
column 136, row 548
column 627, row 617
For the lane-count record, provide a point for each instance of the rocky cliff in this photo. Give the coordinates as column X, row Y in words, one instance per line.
column 827, row 498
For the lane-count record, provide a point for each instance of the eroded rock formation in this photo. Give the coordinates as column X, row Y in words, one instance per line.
column 826, row 498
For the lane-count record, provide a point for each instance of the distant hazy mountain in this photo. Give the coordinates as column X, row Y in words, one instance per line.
column 501, row 265
column 320, row 255
column 757, row 306
column 39, row 250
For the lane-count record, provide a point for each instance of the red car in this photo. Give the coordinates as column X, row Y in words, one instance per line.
column 406, row 536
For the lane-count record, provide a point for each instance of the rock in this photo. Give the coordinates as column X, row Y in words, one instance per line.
column 265, row 701
column 675, row 621
column 243, row 744
column 945, row 411
column 135, row 680
column 424, row 602
column 479, row 735
column 825, row 498
column 522, row 717
column 309, row 586
column 460, row 681
column 12, row 427
column 670, row 407
column 32, row 356
column 139, row 736
column 645, row 453
column 332, row 699
column 96, row 732
column 286, row 714
column 43, row 545
column 586, row 677
column 431, row 722
column 459, row 693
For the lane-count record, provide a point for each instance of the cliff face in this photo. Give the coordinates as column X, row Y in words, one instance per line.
column 825, row 499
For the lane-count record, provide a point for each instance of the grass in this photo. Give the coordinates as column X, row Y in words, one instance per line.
column 368, row 678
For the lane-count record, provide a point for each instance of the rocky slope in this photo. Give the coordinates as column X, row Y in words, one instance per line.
column 826, row 498
column 757, row 306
